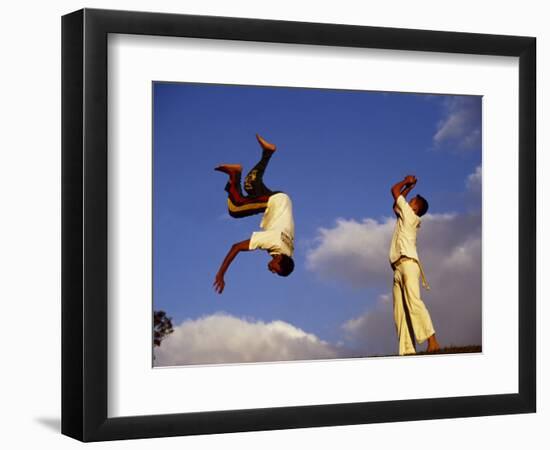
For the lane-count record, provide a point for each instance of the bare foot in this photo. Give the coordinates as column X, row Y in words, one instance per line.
column 229, row 168
column 266, row 145
column 433, row 345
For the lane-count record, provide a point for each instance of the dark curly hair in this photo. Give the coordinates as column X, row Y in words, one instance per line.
column 287, row 266
column 423, row 205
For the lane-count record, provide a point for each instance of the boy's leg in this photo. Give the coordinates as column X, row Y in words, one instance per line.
column 233, row 187
column 253, row 182
column 420, row 317
column 239, row 205
column 402, row 322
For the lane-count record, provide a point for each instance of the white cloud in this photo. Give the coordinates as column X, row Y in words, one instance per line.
column 373, row 333
column 222, row 338
column 449, row 246
column 357, row 252
column 352, row 251
column 473, row 182
column 460, row 128
column 473, row 189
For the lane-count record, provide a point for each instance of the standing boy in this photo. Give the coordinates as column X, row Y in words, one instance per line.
column 277, row 237
column 412, row 319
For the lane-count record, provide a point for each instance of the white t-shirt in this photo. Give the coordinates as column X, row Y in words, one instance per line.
column 403, row 242
column 278, row 226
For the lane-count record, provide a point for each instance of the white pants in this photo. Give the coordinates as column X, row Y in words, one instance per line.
column 412, row 319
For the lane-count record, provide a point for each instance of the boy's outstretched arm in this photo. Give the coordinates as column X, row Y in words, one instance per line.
column 403, row 187
column 408, row 188
column 219, row 282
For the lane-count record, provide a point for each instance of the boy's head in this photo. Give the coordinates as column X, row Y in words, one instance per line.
column 419, row 205
column 282, row 265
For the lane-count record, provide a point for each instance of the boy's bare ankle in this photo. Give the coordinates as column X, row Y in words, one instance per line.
column 433, row 345
column 266, row 145
column 229, row 168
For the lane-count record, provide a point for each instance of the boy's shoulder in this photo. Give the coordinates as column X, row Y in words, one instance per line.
column 405, row 211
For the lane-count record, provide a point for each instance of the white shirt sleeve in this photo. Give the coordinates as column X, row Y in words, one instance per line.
column 405, row 211
column 266, row 240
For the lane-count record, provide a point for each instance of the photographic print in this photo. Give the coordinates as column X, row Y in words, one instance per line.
column 295, row 224
column 217, row 227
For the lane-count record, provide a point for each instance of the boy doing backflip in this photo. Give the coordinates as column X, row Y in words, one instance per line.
column 277, row 237
column 412, row 319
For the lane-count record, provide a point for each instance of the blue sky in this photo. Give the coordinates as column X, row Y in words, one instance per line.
column 338, row 153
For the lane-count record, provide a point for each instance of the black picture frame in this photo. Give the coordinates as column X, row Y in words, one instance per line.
column 84, row 224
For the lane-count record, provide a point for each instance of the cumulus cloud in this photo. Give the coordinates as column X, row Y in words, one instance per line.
column 473, row 182
column 473, row 189
column 223, row 338
column 460, row 128
column 356, row 252
column 449, row 246
column 373, row 333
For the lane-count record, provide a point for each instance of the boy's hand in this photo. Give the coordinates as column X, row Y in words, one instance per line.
column 219, row 283
column 410, row 179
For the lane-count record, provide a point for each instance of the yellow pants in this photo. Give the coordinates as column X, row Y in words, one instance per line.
column 412, row 319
